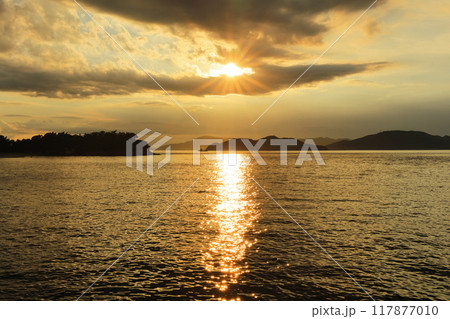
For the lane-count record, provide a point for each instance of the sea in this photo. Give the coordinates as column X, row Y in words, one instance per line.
column 366, row 225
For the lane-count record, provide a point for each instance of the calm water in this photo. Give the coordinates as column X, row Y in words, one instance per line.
column 382, row 216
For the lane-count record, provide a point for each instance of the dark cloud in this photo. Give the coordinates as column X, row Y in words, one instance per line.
column 252, row 52
column 280, row 21
column 266, row 78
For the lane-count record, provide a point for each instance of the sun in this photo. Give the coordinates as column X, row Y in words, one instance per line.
column 230, row 70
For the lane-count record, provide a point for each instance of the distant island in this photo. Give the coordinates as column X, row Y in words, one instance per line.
column 395, row 140
column 266, row 146
column 113, row 143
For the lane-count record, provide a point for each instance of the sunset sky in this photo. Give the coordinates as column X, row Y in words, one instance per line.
column 225, row 62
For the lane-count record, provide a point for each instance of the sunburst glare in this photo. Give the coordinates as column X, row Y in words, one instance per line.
column 230, row 70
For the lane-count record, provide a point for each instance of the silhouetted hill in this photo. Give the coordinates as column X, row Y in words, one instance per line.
column 187, row 146
column 325, row 141
column 395, row 140
column 240, row 146
column 113, row 144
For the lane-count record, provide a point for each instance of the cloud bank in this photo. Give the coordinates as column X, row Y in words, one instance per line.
column 280, row 21
column 100, row 82
column 52, row 49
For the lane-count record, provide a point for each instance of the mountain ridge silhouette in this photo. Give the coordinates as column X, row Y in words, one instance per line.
column 113, row 143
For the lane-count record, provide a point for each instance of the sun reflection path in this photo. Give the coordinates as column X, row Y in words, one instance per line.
column 232, row 217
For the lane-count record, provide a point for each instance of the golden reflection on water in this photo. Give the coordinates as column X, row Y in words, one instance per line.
column 232, row 217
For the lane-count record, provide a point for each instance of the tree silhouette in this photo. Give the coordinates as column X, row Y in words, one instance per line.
column 64, row 144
